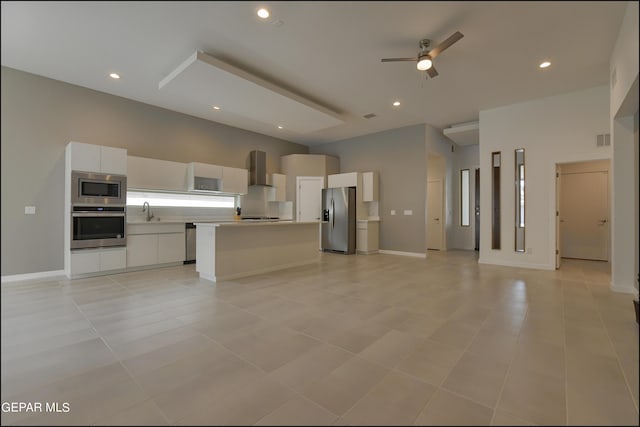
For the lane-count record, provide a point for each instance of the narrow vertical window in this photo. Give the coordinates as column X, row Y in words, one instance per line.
column 495, row 200
column 465, row 218
column 519, row 208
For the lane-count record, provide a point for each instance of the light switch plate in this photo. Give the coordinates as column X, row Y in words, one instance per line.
column 393, row 212
column 29, row 210
column 408, row 212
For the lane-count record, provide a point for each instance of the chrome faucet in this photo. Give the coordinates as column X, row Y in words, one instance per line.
column 147, row 208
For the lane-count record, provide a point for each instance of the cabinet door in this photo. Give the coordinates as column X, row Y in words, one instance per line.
column 369, row 186
column 349, row 179
column 235, row 180
column 205, row 170
column 361, row 236
column 113, row 160
column 86, row 261
column 171, row 248
column 373, row 236
column 154, row 174
column 84, row 157
column 142, row 250
column 280, row 184
column 113, row 259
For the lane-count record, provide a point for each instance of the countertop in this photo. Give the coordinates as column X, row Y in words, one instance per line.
column 254, row 223
column 173, row 220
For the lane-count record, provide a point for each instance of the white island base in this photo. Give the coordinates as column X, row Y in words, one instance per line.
column 238, row 249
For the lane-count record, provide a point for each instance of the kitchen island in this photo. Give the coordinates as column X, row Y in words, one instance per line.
column 243, row 248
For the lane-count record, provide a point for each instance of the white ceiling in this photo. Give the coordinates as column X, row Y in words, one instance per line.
column 326, row 52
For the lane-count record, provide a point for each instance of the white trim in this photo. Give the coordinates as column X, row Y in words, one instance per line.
column 256, row 271
column 623, row 289
column 518, row 264
column 411, row 254
column 33, row 276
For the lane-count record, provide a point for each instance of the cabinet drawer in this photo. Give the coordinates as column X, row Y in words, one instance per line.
column 84, row 262
column 155, row 228
column 113, row 259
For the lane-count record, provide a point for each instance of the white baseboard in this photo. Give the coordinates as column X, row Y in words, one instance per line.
column 32, row 276
column 518, row 264
column 256, row 271
column 623, row 289
column 411, row 254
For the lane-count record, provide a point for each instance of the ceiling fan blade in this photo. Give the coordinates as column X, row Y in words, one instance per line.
column 398, row 59
column 432, row 72
column 445, row 44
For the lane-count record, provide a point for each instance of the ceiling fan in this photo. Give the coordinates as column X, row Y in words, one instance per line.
column 424, row 60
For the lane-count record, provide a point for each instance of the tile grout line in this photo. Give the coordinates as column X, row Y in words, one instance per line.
column 131, row 377
column 615, row 351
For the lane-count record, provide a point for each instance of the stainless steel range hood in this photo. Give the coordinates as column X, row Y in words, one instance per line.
column 258, row 168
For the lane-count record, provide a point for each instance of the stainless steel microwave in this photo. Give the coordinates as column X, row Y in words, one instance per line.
column 94, row 189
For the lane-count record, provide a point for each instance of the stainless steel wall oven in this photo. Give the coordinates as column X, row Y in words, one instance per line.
column 98, row 226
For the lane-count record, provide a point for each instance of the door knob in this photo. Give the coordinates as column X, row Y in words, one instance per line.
column 436, row 219
column 603, row 221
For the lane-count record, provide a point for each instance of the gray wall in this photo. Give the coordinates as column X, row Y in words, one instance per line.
column 399, row 157
column 40, row 116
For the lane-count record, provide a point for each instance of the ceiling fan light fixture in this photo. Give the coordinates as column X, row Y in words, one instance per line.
column 424, row 63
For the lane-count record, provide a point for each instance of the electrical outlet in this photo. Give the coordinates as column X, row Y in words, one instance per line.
column 393, row 212
column 408, row 212
column 29, row 210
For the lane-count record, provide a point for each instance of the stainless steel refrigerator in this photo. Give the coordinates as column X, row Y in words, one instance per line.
column 339, row 220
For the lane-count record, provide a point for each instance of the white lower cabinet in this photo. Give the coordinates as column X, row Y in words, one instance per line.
column 367, row 237
column 171, row 248
column 154, row 243
column 87, row 261
column 142, row 250
column 113, row 259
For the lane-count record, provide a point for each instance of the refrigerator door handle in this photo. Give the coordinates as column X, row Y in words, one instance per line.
column 333, row 210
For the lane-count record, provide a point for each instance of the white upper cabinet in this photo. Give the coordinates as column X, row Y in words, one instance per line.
column 204, row 170
column 113, row 160
column 203, row 176
column 98, row 158
column 349, row 179
column 235, row 180
column 154, row 174
column 369, row 186
column 279, row 184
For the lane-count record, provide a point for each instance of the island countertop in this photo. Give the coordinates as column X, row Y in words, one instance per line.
column 227, row 250
column 253, row 223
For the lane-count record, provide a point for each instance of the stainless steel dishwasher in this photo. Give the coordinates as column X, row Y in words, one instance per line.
column 190, row 243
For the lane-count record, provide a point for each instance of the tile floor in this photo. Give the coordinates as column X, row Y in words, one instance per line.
column 354, row 340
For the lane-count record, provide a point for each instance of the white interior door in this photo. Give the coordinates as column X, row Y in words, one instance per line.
column 584, row 216
column 435, row 219
column 309, row 198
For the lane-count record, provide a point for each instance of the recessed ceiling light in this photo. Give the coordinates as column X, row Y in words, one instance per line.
column 263, row 13
column 215, row 107
column 397, row 103
column 114, row 76
column 545, row 64
column 279, row 127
